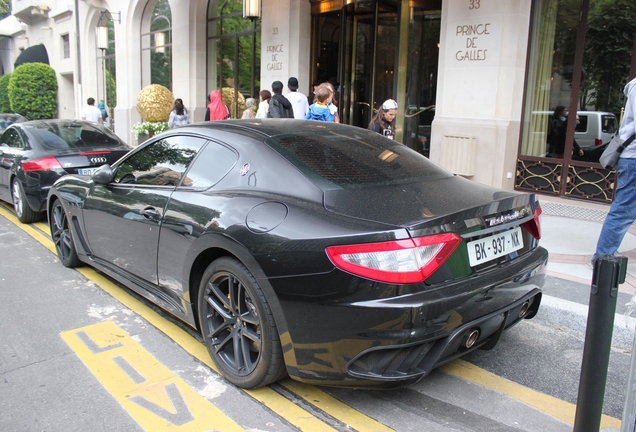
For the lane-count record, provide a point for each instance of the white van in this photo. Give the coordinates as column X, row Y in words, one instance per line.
column 595, row 128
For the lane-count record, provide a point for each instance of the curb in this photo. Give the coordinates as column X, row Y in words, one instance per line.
column 572, row 317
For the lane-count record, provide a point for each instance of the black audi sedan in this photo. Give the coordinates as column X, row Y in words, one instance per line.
column 321, row 251
column 35, row 153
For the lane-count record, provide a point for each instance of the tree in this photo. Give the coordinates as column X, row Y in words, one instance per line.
column 33, row 91
column 5, row 104
column 5, row 8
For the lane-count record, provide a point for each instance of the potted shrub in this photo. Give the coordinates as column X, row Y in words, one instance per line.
column 144, row 130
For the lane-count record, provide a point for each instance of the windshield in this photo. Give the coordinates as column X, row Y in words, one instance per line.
column 356, row 160
column 74, row 136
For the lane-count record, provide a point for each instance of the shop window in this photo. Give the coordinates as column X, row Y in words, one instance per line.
column 606, row 53
column 578, row 63
column 156, row 46
column 234, row 54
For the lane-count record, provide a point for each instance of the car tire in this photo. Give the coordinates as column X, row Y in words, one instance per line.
column 238, row 327
column 62, row 236
column 22, row 210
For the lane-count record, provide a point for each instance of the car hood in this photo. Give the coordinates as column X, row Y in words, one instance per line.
column 424, row 204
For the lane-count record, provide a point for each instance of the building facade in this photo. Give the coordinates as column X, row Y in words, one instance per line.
column 476, row 80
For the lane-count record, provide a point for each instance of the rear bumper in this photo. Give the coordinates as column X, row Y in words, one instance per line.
column 397, row 340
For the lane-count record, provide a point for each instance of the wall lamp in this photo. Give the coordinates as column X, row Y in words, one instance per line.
column 102, row 28
column 252, row 9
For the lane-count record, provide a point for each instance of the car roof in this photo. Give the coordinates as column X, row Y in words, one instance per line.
column 260, row 128
column 48, row 122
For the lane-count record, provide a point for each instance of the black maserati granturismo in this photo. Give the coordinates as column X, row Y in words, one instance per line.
column 321, row 251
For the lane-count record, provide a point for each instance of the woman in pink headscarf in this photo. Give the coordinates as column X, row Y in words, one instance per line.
column 216, row 110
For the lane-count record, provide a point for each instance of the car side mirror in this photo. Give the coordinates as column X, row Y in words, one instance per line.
column 103, row 175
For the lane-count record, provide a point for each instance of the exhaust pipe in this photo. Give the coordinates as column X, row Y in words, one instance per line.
column 524, row 308
column 470, row 338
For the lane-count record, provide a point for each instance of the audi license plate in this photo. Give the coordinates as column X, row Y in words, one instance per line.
column 494, row 246
column 86, row 171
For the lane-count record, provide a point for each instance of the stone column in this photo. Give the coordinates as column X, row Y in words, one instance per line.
column 476, row 130
column 285, row 43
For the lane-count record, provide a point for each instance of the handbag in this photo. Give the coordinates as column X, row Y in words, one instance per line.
column 610, row 155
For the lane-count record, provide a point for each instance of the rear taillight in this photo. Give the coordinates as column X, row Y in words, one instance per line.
column 48, row 163
column 533, row 226
column 400, row 261
column 598, row 142
column 89, row 153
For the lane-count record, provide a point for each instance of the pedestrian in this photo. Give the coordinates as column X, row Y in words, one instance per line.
column 250, row 111
column 384, row 120
column 333, row 103
column 557, row 132
column 297, row 99
column 265, row 96
column 622, row 213
column 179, row 115
column 279, row 105
column 91, row 112
column 311, row 96
column 216, row 109
column 319, row 110
column 102, row 109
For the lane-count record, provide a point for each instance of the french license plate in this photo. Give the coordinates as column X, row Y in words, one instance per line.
column 494, row 246
column 86, row 171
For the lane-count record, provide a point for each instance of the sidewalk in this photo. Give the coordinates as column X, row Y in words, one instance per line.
column 569, row 231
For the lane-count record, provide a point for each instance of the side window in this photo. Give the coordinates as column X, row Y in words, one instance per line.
column 609, row 124
column 161, row 163
column 211, row 166
column 12, row 139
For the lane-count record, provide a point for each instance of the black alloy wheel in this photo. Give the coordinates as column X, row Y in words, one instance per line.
column 21, row 206
column 238, row 327
column 61, row 235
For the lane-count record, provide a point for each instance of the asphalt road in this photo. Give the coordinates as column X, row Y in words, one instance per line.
column 79, row 352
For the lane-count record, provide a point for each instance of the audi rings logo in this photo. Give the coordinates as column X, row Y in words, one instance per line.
column 97, row 160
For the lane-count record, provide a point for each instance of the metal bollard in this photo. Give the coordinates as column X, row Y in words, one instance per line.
column 609, row 272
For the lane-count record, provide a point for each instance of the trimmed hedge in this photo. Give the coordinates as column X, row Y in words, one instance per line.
column 33, row 91
column 5, row 104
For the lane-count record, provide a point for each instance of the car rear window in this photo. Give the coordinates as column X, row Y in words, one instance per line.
column 7, row 120
column 609, row 124
column 356, row 160
column 74, row 136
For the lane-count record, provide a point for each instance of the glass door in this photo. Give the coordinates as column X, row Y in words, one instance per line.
column 371, row 37
column 421, row 80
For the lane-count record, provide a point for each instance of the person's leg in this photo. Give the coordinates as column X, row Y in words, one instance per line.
column 622, row 212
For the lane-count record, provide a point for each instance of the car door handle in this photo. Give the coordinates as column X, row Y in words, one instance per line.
column 150, row 213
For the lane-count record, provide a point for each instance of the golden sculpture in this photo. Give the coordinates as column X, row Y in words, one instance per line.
column 236, row 109
column 154, row 103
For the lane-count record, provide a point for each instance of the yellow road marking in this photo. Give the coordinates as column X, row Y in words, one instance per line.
column 291, row 412
column 334, row 407
column 154, row 396
column 42, row 226
column 557, row 408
